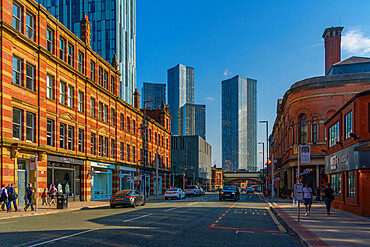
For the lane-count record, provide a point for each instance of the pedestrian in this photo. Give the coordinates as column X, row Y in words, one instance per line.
column 29, row 195
column 307, row 197
column 4, row 197
column 44, row 196
column 293, row 196
column 329, row 197
column 12, row 198
column 147, row 190
column 52, row 192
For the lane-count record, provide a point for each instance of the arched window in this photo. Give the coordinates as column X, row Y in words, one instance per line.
column 302, row 129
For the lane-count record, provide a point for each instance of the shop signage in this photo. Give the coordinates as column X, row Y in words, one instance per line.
column 305, row 154
column 33, row 163
column 134, row 178
column 65, row 160
column 102, row 165
column 334, row 161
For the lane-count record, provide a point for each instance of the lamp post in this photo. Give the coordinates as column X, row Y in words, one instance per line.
column 263, row 159
column 267, row 153
column 144, row 144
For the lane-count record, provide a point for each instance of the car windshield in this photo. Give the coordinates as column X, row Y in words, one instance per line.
column 229, row 188
column 191, row 187
column 123, row 192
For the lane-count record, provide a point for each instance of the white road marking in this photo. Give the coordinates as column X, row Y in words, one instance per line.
column 138, row 217
column 57, row 239
column 193, row 203
column 10, row 222
column 244, row 232
column 157, row 204
column 250, row 196
column 274, row 203
column 171, row 209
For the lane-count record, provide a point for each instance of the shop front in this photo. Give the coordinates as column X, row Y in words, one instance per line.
column 65, row 174
column 124, row 174
column 101, row 181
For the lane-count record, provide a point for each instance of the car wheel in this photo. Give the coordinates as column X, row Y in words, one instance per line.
column 134, row 204
column 166, row 198
column 143, row 202
column 113, row 206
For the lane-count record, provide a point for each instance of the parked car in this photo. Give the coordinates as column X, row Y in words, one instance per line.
column 250, row 190
column 201, row 192
column 229, row 192
column 174, row 193
column 127, row 198
column 191, row 190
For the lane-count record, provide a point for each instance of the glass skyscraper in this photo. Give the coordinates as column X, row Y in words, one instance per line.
column 239, row 124
column 180, row 87
column 155, row 92
column 113, row 31
column 192, row 120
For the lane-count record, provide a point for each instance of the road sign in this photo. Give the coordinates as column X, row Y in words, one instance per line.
column 298, row 192
column 33, row 163
column 295, row 150
column 305, row 154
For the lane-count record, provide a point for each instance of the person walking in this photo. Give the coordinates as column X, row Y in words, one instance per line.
column 44, row 196
column 329, row 197
column 4, row 197
column 307, row 197
column 293, row 196
column 12, row 198
column 52, row 192
column 29, row 196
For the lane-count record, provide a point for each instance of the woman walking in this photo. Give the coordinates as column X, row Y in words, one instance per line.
column 52, row 192
column 329, row 197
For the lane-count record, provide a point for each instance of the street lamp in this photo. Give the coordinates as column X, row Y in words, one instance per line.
column 263, row 159
column 267, row 155
column 145, row 144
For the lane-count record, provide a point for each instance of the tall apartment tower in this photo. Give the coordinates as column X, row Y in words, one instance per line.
column 113, row 31
column 155, row 92
column 239, row 124
column 192, row 120
column 332, row 38
column 180, row 88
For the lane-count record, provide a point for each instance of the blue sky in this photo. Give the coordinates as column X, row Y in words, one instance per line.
column 275, row 42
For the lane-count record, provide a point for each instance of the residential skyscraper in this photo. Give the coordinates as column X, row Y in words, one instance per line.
column 155, row 92
column 239, row 124
column 192, row 120
column 180, row 87
column 113, row 31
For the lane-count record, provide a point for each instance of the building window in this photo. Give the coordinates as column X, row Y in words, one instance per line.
column 80, row 61
column 351, row 184
column 17, row 71
column 112, row 148
column 70, row 96
column 62, row 48
column 30, row 127
column 122, row 122
column 128, row 124
column 348, row 124
column 112, row 84
column 70, row 55
column 112, row 116
column 106, row 146
column 100, row 76
column 128, row 153
column 62, row 136
column 70, row 137
column 30, row 26
column 17, row 17
column 333, row 134
column 133, row 127
column 92, row 107
column 155, row 138
column 62, row 93
column 30, row 77
column 105, row 113
column 17, row 123
column 50, row 132
column 100, row 111
column 92, row 71
column 106, row 80
column 80, row 101
column 122, row 147
column 314, row 133
column 49, row 86
column 92, row 143
column 50, row 39
column 101, row 145
column 150, row 135
column 336, row 183
column 133, row 154
column 80, row 140
column 302, row 129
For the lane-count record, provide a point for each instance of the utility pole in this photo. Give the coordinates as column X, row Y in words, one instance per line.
column 263, row 160
column 156, row 173
column 145, row 145
column 267, row 155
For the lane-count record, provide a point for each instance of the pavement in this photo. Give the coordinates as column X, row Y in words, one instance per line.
column 338, row 229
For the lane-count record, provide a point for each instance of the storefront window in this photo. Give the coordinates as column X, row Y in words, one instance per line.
column 336, row 183
column 351, row 184
column 63, row 177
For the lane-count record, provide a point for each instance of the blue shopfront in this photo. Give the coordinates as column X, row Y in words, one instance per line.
column 124, row 174
column 101, row 181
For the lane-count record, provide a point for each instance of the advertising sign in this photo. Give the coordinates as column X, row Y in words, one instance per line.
column 305, row 154
column 298, row 192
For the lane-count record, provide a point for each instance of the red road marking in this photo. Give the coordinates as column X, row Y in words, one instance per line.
column 243, row 229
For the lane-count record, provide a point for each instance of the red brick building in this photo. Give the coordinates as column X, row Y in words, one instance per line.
column 60, row 102
column 217, row 178
column 348, row 155
column 302, row 113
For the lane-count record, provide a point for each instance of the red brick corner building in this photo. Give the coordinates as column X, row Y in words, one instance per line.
column 60, row 102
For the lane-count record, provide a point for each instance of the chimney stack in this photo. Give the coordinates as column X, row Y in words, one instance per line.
column 332, row 38
column 136, row 99
column 85, row 30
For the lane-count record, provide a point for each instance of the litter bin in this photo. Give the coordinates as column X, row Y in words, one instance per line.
column 62, row 201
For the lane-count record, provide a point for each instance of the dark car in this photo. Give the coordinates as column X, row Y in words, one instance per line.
column 229, row 192
column 127, row 198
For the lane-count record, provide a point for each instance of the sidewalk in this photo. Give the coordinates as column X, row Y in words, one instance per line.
column 338, row 229
column 72, row 206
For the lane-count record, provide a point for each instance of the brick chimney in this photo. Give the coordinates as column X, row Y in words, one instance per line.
column 332, row 38
column 85, row 30
column 136, row 99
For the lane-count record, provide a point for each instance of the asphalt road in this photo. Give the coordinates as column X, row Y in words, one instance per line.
column 199, row 221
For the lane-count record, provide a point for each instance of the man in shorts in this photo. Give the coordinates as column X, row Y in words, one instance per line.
column 307, row 197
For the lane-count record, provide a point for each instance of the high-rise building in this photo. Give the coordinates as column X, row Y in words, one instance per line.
column 192, row 120
column 113, row 31
column 239, row 124
column 180, row 87
column 155, row 92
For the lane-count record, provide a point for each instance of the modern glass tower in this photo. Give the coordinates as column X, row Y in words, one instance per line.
column 180, row 87
column 155, row 92
column 113, row 31
column 239, row 124
column 192, row 120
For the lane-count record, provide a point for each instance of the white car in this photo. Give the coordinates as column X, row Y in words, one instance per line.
column 174, row 193
column 192, row 190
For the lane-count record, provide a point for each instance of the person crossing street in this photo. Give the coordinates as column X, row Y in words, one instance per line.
column 4, row 197
column 29, row 196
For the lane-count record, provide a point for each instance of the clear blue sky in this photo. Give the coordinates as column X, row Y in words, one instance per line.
column 275, row 42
